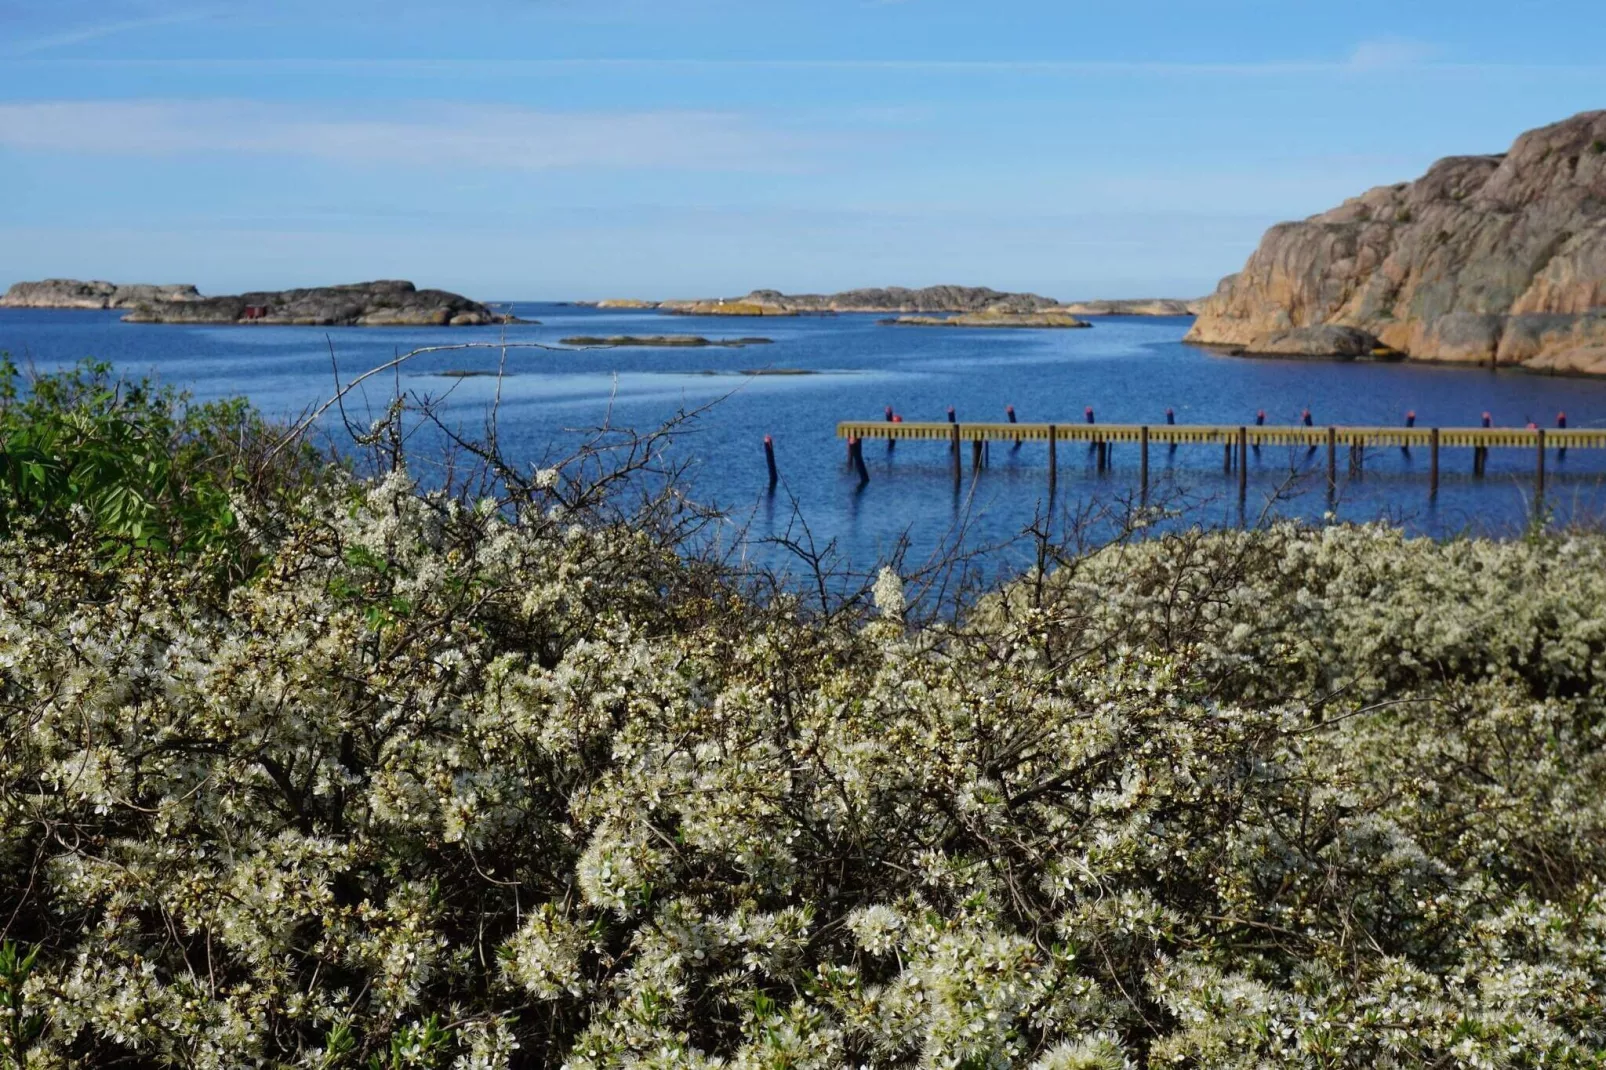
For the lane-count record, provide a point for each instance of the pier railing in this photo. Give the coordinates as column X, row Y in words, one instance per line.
column 1233, row 439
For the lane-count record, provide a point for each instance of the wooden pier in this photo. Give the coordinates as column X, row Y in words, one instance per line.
column 1234, row 440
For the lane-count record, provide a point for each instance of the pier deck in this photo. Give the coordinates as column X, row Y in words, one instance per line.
column 1233, row 438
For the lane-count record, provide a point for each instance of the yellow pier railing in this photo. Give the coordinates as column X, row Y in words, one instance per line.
column 1240, row 438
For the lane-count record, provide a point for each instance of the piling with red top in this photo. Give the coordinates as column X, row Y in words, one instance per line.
column 1410, row 418
column 1561, row 422
column 1306, row 418
column 1009, row 411
column 1170, row 415
column 769, row 459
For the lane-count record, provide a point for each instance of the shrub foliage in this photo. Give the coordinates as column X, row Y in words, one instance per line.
column 469, row 786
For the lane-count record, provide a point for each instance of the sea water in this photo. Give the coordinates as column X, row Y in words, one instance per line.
column 1127, row 369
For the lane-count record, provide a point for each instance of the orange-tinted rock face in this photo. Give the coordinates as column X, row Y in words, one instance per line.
column 1484, row 259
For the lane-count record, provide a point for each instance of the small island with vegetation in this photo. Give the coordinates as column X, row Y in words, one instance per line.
column 661, row 341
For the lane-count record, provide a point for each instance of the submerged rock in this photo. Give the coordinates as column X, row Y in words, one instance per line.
column 664, row 341
column 73, row 293
column 1485, row 259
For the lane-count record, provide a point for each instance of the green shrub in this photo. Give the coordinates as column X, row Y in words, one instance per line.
column 139, row 465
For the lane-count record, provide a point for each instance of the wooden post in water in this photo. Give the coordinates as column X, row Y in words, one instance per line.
column 953, row 450
column 1226, row 457
column 975, row 456
column 1433, row 463
column 1332, row 461
column 1053, row 460
column 769, row 459
column 1539, row 472
column 1243, row 464
column 1143, row 461
column 856, row 447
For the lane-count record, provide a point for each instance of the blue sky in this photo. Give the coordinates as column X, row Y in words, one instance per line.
column 589, row 148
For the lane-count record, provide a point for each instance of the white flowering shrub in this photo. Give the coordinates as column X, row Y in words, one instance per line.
column 447, row 786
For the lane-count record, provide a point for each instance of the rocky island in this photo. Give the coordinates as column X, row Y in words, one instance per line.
column 893, row 299
column 1141, row 306
column 74, row 293
column 367, row 304
column 1047, row 318
column 1495, row 260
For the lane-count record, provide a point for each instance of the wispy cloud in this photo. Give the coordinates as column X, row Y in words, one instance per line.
column 416, row 135
column 1392, row 53
column 1364, row 58
column 94, row 31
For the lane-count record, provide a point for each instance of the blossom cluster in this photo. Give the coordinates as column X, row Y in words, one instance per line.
column 453, row 786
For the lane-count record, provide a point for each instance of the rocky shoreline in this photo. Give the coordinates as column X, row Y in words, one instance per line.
column 1493, row 260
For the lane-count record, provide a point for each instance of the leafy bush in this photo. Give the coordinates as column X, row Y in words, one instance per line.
column 145, row 469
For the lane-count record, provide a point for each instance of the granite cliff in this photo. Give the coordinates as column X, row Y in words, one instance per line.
column 367, row 304
column 1485, row 259
column 73, row 293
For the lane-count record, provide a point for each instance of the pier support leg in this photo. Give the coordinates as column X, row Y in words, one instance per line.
column 856, row 447
column 1332, row 462
column 1433, row 463
column 975, row 456
column 1053, row 460
column 1539, row 473
column 1243, row 465
column 1143, row 463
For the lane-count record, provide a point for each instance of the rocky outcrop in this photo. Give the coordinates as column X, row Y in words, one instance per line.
column 73, row 293
column 719, row 306
column 1143, row 306
column 623, row 302
column 367, row 304
column 1485, row 259
column 992, row 319
column 892, row 299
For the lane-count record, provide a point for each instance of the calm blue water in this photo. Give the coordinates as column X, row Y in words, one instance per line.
column 1128, row 369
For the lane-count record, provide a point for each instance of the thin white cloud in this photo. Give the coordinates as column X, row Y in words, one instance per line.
column 94, row 31
column 417, row 135
column 1368, row 56
column 1392, row 53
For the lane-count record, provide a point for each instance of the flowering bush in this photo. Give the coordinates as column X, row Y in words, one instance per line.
column 474, row 787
